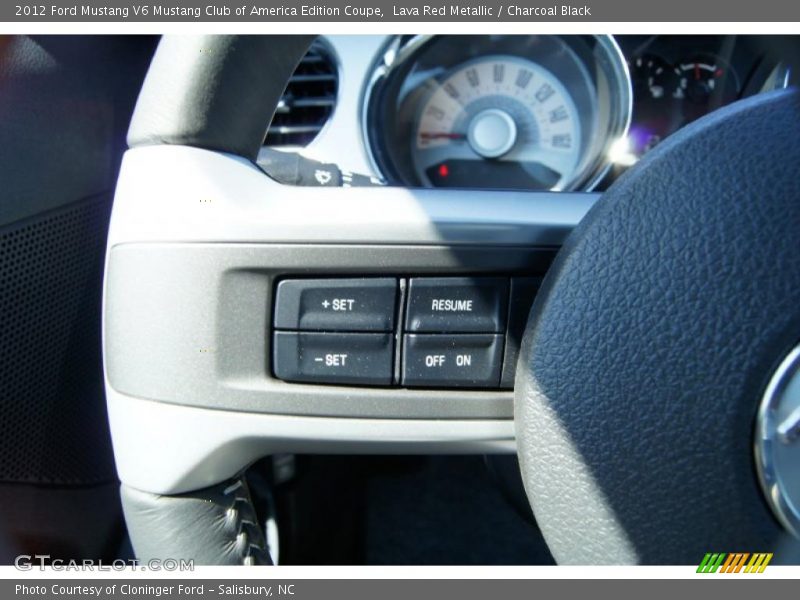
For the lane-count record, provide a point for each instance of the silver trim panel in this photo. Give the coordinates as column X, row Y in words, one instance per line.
column 189, row 324
column 181, row 194
column 169, row 449
column 195, row 242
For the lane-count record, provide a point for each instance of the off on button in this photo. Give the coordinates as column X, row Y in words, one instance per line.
column 452, row 360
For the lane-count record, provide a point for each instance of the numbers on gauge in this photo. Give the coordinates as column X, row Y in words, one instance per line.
column 451, row 91
column 558, row 114
column 523, row 78
column 562, row 140
column 435, row 112
column 498, row 109
column 545, row 92
column 498, row 72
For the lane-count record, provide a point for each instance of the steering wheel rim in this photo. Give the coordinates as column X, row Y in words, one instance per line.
column 651, row 343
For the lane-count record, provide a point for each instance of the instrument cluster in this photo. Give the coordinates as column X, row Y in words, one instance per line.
column 549, row 112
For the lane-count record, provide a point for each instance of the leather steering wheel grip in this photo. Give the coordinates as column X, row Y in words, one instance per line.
column 651, row 342
column 217, row 92
column 214, row 526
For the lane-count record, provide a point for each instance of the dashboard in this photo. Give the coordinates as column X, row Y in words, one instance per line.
column 245, row 318
column 539, row 112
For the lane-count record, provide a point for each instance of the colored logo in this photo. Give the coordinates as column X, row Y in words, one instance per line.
column 737, row 562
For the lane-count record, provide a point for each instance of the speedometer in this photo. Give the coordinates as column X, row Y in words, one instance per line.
column 521, row 112
column 498, row 118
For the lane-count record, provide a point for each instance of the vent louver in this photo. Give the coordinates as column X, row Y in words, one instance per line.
column 308, row 100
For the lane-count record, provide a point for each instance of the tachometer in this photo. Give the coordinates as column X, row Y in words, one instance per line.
column 523, row 112
column 497, row 119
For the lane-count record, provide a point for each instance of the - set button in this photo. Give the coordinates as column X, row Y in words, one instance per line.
column 452, row 360
column 353, row 358
column 336, row 304
column 457, row 305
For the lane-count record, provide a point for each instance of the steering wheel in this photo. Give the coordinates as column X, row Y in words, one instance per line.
column 653, row 397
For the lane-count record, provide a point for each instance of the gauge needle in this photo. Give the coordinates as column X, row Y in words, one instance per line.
column 441, row 135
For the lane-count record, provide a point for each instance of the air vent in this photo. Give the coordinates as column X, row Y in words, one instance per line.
column 308, row 101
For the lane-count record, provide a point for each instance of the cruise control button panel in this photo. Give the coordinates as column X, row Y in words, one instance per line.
column 457, row 304
column 336, row 304
column 452, row 360
column 352, row 358
column 436, row 332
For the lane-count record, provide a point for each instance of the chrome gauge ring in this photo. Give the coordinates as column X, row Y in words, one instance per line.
column 510, row 112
